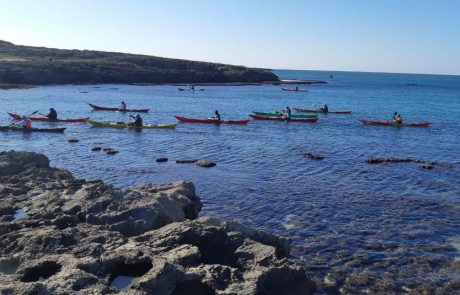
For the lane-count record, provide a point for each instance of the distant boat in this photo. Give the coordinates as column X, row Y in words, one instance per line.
column 294, row 89
column 189, row 89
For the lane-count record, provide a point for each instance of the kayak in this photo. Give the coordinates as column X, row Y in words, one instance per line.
column 211, row 121
column 98, row 108
column 306, row 120
column 293, row 89
column 183, row 89
column 45, row 119
column 390, row 123
column 274, row 114
column 14, row 128
column 125, row 125
column 321, row 112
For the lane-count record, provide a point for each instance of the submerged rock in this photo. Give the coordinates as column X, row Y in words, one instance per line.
column 186, row 161
column 73, row 140
column 87, row 237
column 313, row 156
column 161, row 160
column 96, row 148
column 204, row 163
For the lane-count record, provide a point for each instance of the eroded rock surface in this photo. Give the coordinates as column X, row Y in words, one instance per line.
column 61, row 235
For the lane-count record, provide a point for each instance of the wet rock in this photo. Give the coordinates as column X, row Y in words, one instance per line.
column 426, row 166
column 161, row 160
column 73, row 140
column 313, row 156
column 111, row 152
column 82, row 237
column 204, row 163
column 186, row 161
column 96, row 148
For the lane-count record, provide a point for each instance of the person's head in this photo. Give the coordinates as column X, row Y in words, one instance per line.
column 396, row 113
column 51, row 109
column 138, row 116
column 216, row 112
column 24, row 117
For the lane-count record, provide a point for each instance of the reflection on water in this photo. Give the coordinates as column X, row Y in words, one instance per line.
column 354, row 226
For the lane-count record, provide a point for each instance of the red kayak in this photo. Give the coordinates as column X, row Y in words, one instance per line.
column 211, row 121
column 319, row 111
column 293, row 89
column 390, row 123
column 45, row 119
column 309, row 120
column 98, row 108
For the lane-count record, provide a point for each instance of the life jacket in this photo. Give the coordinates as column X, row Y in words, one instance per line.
column 26, row 123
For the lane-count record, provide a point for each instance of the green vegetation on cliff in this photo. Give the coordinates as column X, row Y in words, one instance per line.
column 41, row 66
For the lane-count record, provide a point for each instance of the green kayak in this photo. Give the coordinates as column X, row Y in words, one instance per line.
column 278, row 114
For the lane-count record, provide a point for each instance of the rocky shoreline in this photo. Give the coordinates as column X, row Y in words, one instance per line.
column 62, row 235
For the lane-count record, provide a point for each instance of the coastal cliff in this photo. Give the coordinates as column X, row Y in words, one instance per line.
column 28, row 65
column 62, row 235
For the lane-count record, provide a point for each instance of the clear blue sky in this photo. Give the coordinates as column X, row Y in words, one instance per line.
column 411, row 36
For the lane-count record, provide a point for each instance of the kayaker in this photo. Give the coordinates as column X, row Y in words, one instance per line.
column 122, row 106
column 192, row 87
column 25, row 123
column 52, row 115
column 137, row 121
column 325, row 109
column 297, row 88
column 216, row 115
column 287, row 113
column 397, row 118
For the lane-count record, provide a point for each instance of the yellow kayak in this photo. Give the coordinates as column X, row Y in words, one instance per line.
column 126, row 125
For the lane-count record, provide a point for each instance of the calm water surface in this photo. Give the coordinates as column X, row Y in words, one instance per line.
column 356, row 227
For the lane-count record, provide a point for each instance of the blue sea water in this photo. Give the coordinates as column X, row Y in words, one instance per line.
column 356, row 227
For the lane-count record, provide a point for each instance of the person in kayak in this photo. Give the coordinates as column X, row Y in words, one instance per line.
column 122, row 106
column 297, row 88
column 216, row 116
column 397, row 118
column 52, row 115
column 137, row 121
column 25, row 123
column 324, row 109
column 192, row 87
column 287, row 113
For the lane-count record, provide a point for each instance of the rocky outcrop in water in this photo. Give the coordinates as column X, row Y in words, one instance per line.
column 61, row 235
column 420, row 163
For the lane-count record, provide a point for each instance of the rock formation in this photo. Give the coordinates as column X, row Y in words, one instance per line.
column 61, row 235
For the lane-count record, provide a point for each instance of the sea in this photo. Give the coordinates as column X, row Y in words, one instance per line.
column 356, row 227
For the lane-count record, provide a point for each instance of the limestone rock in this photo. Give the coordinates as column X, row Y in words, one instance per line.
column 85, row 237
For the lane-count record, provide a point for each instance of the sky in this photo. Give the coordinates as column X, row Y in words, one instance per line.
column 404, row 36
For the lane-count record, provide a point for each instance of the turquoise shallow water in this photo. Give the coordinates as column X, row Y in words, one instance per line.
column 354, row 225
